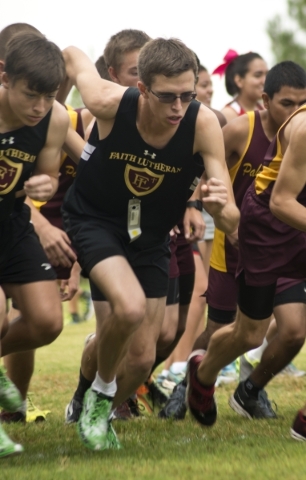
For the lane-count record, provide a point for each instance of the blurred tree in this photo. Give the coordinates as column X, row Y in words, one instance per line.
column 74, row 99
column 286, row 44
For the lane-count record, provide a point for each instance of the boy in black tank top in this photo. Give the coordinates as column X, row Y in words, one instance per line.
column 125, row 200
column 32, row 131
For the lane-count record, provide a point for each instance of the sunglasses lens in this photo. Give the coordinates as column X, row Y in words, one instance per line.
column 167, row 98
column 187, row 97
column 171, row 97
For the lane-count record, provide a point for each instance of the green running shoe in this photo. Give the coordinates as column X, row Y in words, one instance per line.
column 112, row 438
column 7, row 446
column 93, row 425
column 10, row 398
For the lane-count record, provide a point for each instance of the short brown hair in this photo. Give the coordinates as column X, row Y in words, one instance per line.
column 35, row 59
column 102, row 68
column 8, row 32
column 121, row 43
column 169, row 57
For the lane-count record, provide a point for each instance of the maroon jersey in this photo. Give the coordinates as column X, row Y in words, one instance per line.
column 224, row 256
column 268, row 247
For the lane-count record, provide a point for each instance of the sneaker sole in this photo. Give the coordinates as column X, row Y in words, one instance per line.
column 238, row 408
column 17, row 450
column 297, row 436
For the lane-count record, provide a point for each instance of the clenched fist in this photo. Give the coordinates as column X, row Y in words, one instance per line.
column 39, row 187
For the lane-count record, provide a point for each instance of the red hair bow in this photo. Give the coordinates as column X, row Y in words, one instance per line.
column 229, row 57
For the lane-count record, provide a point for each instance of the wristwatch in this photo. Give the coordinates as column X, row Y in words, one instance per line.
column 195, row 204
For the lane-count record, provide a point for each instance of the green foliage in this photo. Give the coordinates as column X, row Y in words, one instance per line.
column 297, row 11
column 74, row 99
column 285, row 43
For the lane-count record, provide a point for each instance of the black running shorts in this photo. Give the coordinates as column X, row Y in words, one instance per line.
column 95, row 240
column 25, row 260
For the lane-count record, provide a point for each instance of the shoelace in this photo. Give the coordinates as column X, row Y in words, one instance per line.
column 30, row 405
column 265, row 402
column 100, row 409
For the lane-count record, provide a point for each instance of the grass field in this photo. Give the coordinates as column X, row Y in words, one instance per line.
column 235, row 448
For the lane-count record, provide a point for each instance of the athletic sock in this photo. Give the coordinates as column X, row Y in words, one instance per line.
column 256, row 354
column 251, row 389
column 108, row 389
column 82, row 387
column 178, row 367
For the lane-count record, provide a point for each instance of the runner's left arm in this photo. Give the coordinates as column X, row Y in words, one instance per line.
column 217, row 193
column 194, row 225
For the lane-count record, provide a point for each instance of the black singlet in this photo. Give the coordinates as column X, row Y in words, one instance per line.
column 18, row 153
column 123, row 166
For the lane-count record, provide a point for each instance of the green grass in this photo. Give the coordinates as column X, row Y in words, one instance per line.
column 235, row 448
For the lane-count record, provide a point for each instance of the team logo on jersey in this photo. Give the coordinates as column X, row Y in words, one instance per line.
column 9, row 174
column 9, row 140
column 141, row 181
column 152, row 155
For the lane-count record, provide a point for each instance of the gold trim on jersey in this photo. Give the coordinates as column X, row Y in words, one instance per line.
column 141, row 181
column 73, row 115
column 233, row 171
column 217, row 259
column 269, row 172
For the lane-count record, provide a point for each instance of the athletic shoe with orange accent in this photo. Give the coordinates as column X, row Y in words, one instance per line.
column 137, row 410
column 144, row 399
column 200, row 400
column 151, row 396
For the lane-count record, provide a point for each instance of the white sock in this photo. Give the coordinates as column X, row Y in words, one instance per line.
column 178, row 367
column 108, row 389
column 256, row 353
column 164, row 373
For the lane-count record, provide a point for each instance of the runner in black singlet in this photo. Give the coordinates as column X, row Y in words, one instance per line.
column 133, row 182
column 32, row 131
